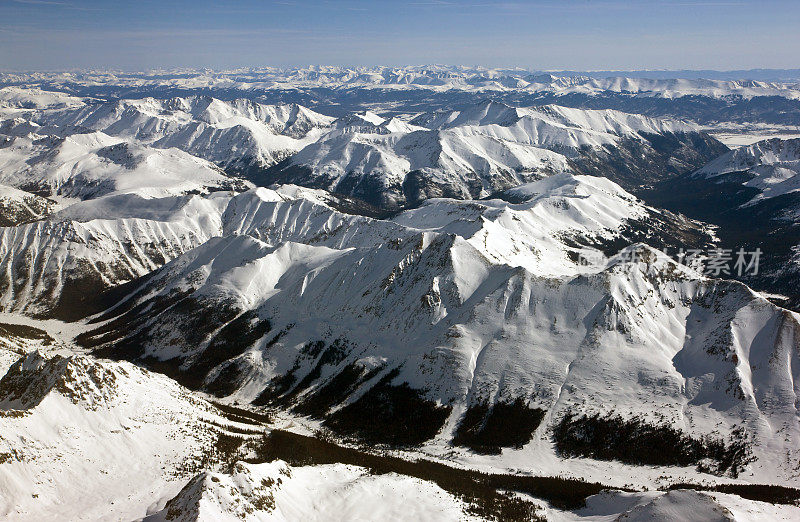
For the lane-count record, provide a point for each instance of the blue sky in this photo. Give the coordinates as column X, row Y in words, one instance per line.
column 548, row 34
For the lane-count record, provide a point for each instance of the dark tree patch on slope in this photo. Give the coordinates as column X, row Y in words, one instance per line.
column 25, row 332
column 395, row 415
column 76, row 299
column 634, row 441
column 229, row 378
column 231, row 341
column 282, row 384
column 760, row 492
column 635, row 163
column 283, row 390
column 119, row 329
column 330, row 356
column 487, row 429
column 336, row 390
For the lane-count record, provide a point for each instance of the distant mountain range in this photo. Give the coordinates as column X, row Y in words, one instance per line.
column 750, row 97
column 757, row 82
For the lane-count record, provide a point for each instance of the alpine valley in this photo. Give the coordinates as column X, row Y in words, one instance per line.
column 414, row 293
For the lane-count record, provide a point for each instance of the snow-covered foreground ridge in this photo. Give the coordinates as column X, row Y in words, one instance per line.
column 279, row 492
column 82, row 439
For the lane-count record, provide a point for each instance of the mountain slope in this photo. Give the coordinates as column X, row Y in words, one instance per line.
column 58, row 161
column 279, row 492
column 488, row 148
column 128, row 437
column 16, row 100
column 58, row 266
column 773, row 167
column 752, row 194
column 236, row 135
column 316, row 328
column 116, row 210
column 474, row 313
column 18, row 206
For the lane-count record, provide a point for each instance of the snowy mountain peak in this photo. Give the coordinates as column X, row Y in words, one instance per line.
column 239, row 134
column 92, row 164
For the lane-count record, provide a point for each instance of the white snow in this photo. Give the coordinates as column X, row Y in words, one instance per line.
column 491, row 144
column 436, row 78
column 279, row 492
column 95, row 164
column 92, row 440
column 223, row 132
column 675, row 505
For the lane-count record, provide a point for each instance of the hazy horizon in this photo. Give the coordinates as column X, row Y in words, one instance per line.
column 576, row 35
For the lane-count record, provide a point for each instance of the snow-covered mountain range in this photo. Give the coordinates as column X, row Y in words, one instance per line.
column 487, row 148
column 240, row 134
column 387, row 162
column 743, row 98
column 445, row 316
column 419, row 77
column 483, row 285
column 773, row 167
column 65, row 163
